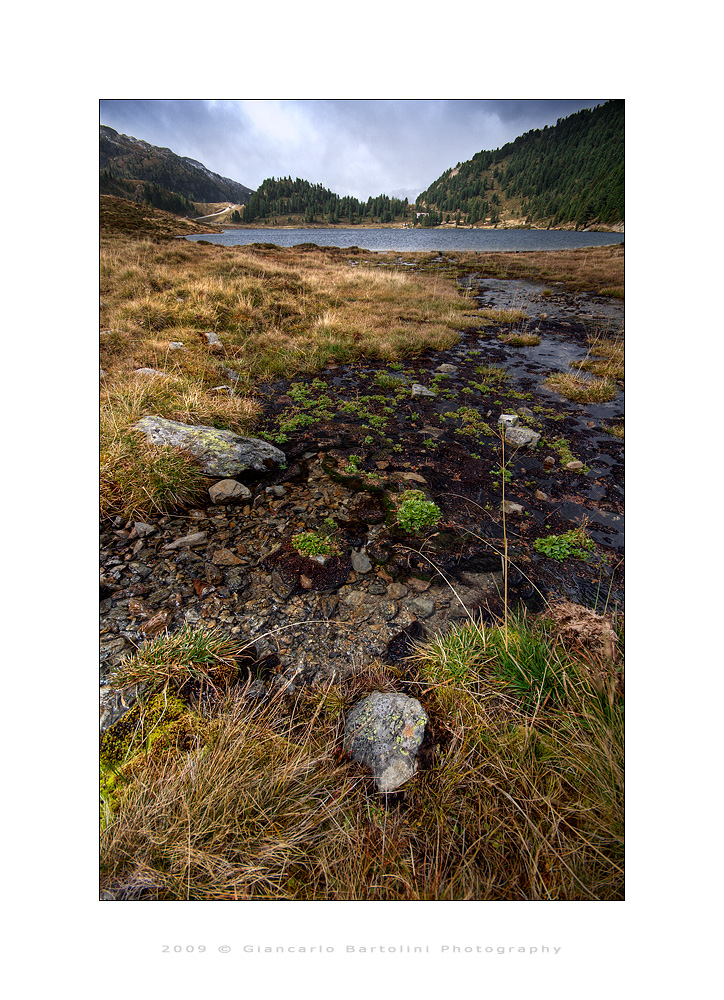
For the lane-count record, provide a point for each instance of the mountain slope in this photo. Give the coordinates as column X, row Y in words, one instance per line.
column 572, row 173
column 138, row 171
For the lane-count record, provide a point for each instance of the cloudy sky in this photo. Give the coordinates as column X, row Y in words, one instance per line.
column 356, row 147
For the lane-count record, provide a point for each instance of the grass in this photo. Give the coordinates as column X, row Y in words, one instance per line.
column 521, row 798
column 276, row 312
column 502, row 316
column 579, row 389
column 521, row 340
column 605, row 358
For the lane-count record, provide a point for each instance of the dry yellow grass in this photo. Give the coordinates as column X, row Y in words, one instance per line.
column 275, row 312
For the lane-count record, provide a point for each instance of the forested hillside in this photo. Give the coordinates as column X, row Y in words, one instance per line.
column 572, row 173
column 279, row 200
column 167, row 181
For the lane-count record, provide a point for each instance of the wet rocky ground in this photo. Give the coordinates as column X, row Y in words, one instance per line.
column 357, row 436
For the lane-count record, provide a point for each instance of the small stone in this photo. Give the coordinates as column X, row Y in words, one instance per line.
column 225, row 557
column 549, row 462
column 419, row 586
column 509, row 419
column 227, row 491
column 521, row 437
column 305, row 582
column 422, row 607
column 420, row 390
column 142, row 529
column 361, row 562
column 176, row 345
column 540, row 495
column 198, row 538
column 574, row 466
column 447, row 369
column 156, row 624
column 354, row 598
column 212, row 339
column 511, row 508
column 396, row 591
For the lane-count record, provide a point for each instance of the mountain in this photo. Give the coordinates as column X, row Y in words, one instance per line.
column 136, row 170
column 571, row 173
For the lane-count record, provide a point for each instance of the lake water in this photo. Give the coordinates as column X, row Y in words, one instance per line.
column 417, row 239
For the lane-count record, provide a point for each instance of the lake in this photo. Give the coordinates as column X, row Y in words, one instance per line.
column 417, row 239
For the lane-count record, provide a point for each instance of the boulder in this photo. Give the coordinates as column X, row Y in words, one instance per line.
column 220, row 454
column 384, row 731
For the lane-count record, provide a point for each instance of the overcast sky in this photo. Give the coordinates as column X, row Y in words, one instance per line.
column 355, row 147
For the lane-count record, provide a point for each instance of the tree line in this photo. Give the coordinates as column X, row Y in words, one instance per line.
column 570, row 172
column 281, row 198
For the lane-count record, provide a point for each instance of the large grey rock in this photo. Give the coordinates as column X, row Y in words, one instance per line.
column 221, row 454
column 521, row 437
column 384, row 731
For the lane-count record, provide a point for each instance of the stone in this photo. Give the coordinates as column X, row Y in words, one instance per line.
column 384, row 732
column 540, row 495
column 512, row 508
column 422, row 607
column 220, row 453
column 574, row 466
column 447, row 369
column 150, row 373
column 396, row 591
column 228, row 491
column 225, row 557
column 361, row 562
column 522, row 437
column 197, row 538
column 509, row 419
column 549, row 462
column 142, row 529
column 212, row 339
column 176, row 345
column 421, row 390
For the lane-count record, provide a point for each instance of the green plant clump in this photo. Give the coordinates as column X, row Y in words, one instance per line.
column 414, row 512
column 311, row 543
column 573, row 544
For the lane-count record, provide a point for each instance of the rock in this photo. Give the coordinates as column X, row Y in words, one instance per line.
column 511, row 508
column 197, row 538
column 574, row 466
column 176, row 345
column 220, row 453
column 526, row 413
column 212, row 339
column 421, row 390
column 142, row 529
column 361, row 562
column 227, row 491
column 384, row 731
column 549, row 462
column 396, row 591
column 156, row 624
column 225, row 557
column 540, row 495
column 150, row 373
column 521, row 437
column 447, row 369
column 280, row 587
column 422, row 607
column 509, row 419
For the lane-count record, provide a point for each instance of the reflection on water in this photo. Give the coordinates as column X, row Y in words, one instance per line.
column 416, row 239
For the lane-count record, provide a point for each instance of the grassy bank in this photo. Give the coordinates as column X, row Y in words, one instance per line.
column 520, row 794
